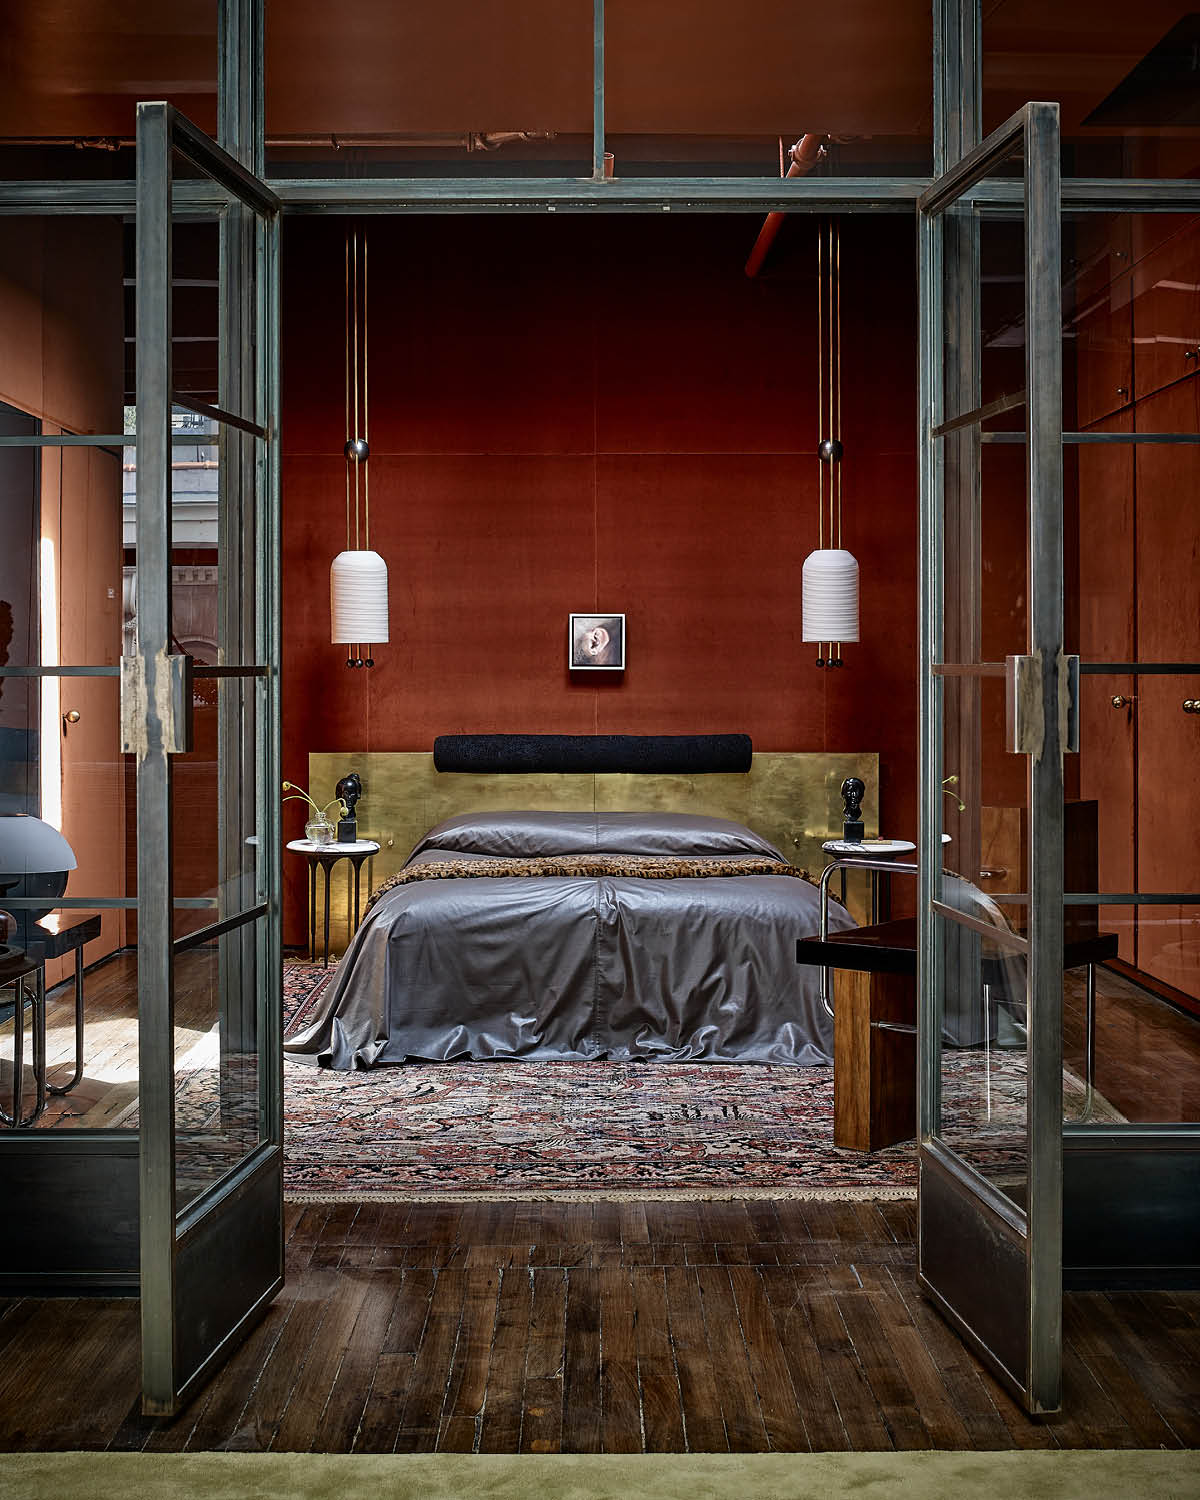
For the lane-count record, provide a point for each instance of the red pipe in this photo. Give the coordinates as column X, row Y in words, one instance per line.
column 805, row 154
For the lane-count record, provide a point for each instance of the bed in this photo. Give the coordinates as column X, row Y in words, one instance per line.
column 574, row 936
column 483, row 950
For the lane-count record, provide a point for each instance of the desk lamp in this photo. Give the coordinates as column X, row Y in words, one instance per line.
column 36, row 859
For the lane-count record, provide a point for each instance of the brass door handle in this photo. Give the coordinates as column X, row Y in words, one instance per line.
column 71, row 717
column 1191, row 705
column 1118, row 701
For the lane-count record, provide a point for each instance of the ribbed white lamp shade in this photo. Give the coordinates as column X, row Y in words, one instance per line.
column 358, row 598
column 830, row 583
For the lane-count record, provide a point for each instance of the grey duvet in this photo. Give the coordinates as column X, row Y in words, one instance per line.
column 571, row 967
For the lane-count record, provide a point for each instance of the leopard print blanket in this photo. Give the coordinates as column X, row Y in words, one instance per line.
column 642, row 866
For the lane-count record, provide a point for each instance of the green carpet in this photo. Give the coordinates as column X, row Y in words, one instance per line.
column 778, row 1476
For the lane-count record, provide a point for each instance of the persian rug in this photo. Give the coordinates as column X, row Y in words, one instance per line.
column 587, row 1129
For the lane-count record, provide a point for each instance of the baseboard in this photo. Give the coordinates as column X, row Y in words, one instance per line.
column 1157, row 987
column 70, row 1284
column 1131, row 1278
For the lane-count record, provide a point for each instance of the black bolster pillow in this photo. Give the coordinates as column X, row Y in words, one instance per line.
column 685, row 754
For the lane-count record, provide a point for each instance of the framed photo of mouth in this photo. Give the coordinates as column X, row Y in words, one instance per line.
column 596, row 643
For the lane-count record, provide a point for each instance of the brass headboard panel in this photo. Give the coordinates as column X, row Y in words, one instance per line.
column 790, row 797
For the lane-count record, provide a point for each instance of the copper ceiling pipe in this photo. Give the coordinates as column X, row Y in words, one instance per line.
column 805, row 154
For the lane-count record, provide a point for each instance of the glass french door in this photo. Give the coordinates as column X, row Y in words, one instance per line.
column 999, row 700
column 201, row 718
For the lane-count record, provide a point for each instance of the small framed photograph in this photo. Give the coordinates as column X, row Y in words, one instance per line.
column 596, row 643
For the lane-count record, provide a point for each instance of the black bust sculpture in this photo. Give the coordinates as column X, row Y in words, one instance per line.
column 349, row 789
column 853, row 791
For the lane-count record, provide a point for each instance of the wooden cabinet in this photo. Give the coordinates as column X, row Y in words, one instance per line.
column 1168, row 942
column 1100, row 318
column 1133, row 310
column 1135, row 323
column 1107, row 632
column 1168, row 629
column 1166, row 315
column 1004, row 851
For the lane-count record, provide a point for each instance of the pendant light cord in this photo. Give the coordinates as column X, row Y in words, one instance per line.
column 366, row 407
column 829, row 399
column 348, row 432
column 837, row 284
column 356, row 461
column 820, row 393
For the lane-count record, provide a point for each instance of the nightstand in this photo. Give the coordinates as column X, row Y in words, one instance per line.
column 325, row 856
column 881, row 901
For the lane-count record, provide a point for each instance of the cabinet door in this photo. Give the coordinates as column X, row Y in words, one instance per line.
column 1106, row 633
column 1168, row 852
column 1101, row 320
column 1166, row 315
column 1168, row 583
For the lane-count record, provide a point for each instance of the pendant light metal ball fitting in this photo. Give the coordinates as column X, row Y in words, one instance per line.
column 830, row 450
column 357, row 450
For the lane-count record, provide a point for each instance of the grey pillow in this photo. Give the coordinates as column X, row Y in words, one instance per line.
column 528, row 834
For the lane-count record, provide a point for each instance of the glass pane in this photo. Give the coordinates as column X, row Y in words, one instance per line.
column 1131, row 317
column 712, row 90
column 76, row 839
column 71, row 76
column 984, row 1058
column 984, row 282
column 427, row 90
column 213, row 541
column 217, row 1067
column 195, row 308
column 214, row 808
column 985, row 823
column 62, row 309
column 1126, row 83
column 1132, row 540
column 208, row 257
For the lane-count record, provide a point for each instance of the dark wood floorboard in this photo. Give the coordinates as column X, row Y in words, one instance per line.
column 579, row 1327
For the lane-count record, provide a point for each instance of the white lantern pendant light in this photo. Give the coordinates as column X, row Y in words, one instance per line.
column 358, row 578
column 829, row 614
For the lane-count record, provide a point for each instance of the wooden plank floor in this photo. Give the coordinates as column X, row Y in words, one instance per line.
column 581, row 1327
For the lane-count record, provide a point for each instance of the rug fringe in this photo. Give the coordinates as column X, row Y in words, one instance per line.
column 619, row 1195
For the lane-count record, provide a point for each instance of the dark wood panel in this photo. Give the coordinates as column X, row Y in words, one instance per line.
column 874, row 1079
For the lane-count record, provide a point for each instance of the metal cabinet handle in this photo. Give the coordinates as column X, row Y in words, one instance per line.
column 71, row 716
column 1191, row 705
column 1120, row 702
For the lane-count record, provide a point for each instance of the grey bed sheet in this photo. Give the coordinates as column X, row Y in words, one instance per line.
column 570, row 968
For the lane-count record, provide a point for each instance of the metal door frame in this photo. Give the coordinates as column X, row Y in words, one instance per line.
column 1038, row 1229
column 251, row 1193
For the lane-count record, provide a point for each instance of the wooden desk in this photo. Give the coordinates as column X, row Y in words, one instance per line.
column 874, row 1023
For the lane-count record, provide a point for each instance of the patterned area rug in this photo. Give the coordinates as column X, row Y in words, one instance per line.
column 565, row 1130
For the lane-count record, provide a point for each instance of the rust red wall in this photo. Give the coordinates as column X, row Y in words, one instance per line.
column 574, row 414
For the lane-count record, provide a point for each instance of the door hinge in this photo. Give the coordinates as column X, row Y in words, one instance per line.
column 1025, row 717
column 162, row 718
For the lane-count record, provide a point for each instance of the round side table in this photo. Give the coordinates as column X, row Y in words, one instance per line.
column 870, row 849
column 325, row 856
